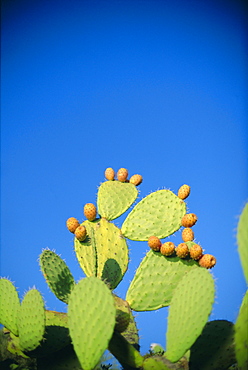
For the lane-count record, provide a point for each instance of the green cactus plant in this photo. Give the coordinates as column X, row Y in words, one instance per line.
column 9, row 305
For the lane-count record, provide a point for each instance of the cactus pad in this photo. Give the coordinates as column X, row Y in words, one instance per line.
column 190, row 307
column 91, row 319
column 57, row 274
column 242, row 237
column 155, row 363
column 241, row 335
column 114, row 198
column 9, row 305
column 159, row 213
column 31, row 320
column 155, row 281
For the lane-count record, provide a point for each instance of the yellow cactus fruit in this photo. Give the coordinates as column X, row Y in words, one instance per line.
column 72, row 223
column 81, row 233
column 154, row 243
column 122, row 174
column 189, row 220
column 188, row 234
column 167, row 249
column 109, row 174
column 182, row 250
column 196, row 252
column 136, row 180
column 90, row 211
column 208, row 261
column 183, row 191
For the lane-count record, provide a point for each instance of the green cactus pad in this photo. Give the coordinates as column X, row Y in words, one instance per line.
column 57, row 274
column 114, row 198
column 155, row 363
column 31, row 320
column 91, row 319
column 214, row 348
column 159, row 213
column 190, row 308
column 9, row 305
column 242, row 237
column 155, row 281
column 125, row 352
column 241, row 335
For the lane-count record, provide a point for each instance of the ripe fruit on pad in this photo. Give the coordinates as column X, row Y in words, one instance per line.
column 136, row 180
column 122, row 174
column 196, row 252
column 154, row 243
column 188, row 234
column 189, row 220
column 72, row 223
column 80, row 233
column 167, row 249
column 182, row 250
column 208, row 261
column 183, row 191
column 90, row 211
column 109, row 174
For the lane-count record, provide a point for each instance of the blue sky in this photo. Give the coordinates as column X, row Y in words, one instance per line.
column 157, row 87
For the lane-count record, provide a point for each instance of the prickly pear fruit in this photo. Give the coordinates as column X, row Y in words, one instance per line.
column 122, row 174
column 123, row 313
column 136, row 180
column 182, row 250
column 72, row 223
column 189, row 220
column 208, row 261
column 109, row 174
column 188, row 234
column 90, row 211
column 167, row 249
column 81, row 233
column 196, row 252
column 154, row 243
column 183, row 191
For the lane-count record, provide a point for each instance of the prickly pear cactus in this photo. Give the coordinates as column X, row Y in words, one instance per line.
column 241, row 335
column 242, row 237
column 9, row 305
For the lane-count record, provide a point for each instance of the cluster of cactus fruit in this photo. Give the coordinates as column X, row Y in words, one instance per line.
column 98, row 320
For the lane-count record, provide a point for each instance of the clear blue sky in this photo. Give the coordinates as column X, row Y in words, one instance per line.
column 158, row 87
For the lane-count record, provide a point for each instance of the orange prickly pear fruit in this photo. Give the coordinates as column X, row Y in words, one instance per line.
column 136, row 180
column 72, row 223
column 182, row 250
column 81, row 233
column 189, row 220
column 183, row 191
column 188, row 234
column 122, row 174
column 90, row 211
column 109, row 174
column 167, row 249
column 154, row 243
column 208, row 261
column 196, row 252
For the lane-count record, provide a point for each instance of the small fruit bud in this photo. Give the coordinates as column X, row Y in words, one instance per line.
column 72, row 223
column 184, row 191
column 122, row 174
column 182, row 250
column 154, row 243
column 188, row 234
column 81, row 233
column 189, row 220
column 167, row 249
column 196, row 252
column 90, row 211
column 136, row 180
column 109, row 174
column 208, row 261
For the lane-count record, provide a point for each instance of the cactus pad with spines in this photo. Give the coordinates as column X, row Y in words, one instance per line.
column 189, row 310
column 57, row 274
column 242, row 237
column 9, row 305
column 114, row 198
column 155, row 363
column 241, row 335
column 159, row 214
column 156, row 280
column 91, row 320
column 31, row 320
